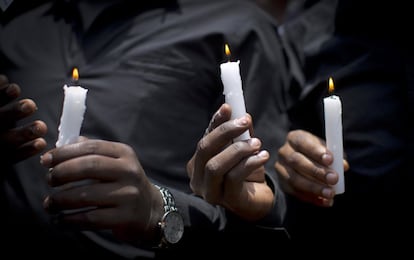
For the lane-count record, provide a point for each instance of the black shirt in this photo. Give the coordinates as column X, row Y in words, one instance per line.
column 365, row 47
column 152, row 74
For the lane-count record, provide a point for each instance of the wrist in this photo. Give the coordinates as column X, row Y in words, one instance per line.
column 156, row 213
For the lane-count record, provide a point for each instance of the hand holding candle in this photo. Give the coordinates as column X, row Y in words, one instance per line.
column 333, row 132
column 230, row 76
column 72, row 114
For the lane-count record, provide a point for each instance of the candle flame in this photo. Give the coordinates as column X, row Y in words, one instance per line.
column 331, row 86
column 75, row 74
column 227, row 50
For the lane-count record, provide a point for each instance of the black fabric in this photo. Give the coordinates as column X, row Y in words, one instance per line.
column 152, row 74
column 372, row 66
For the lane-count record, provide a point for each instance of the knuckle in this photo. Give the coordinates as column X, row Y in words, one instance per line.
column 313, row 188
column 238, row 146
column 293, row 158
column 223, row 128
column 128, row 149
column 212, row 168
column 202, row 145
column 91, row 165
column 317, row 172
column 91, row 147
column 296, row 138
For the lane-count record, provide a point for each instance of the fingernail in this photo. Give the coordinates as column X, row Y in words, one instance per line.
column 217, row 115
column 11, row 91
column 35, row 129
column 38, row 145
column 46, row 159
column 254, row 142
column 263, row 154
column 331, row 178
column 327, row 159
column 25, row 108
column 328, row 193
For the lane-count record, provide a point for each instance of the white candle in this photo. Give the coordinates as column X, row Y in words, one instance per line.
column 74, row 106
column 333, row 134
column 233, row 92
column 72, row 115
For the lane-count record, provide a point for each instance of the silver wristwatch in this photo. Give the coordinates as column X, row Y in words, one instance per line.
column 171, row 224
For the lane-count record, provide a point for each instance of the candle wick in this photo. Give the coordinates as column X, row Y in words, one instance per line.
column 74, row 82
column 228, row 55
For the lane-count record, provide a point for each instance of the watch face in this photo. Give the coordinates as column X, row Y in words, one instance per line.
column 173, row 227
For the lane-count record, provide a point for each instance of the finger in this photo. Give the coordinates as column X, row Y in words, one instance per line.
column 233, row 156
column 308, row 197
column 8, row 91
column 311, row 146
column 251, row 129
column 14, row 111
column 82, row 139
column 255, row 165
column 96, row 218
column 237, row 152
column 23, row 134
column 306, row 167
column 222, row 115
column 346, row 165
column 211, row 144
column 89, row 147
column 3, row 80
column 82, row 196
column 95, row 167
column 222, row 135
column 315, row 200
column 293, row 181
column 27, row 150
column 251, row 168
column 249, row 172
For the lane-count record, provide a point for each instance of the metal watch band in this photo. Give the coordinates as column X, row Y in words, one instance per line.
column 168, row 199
column 171, row 225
